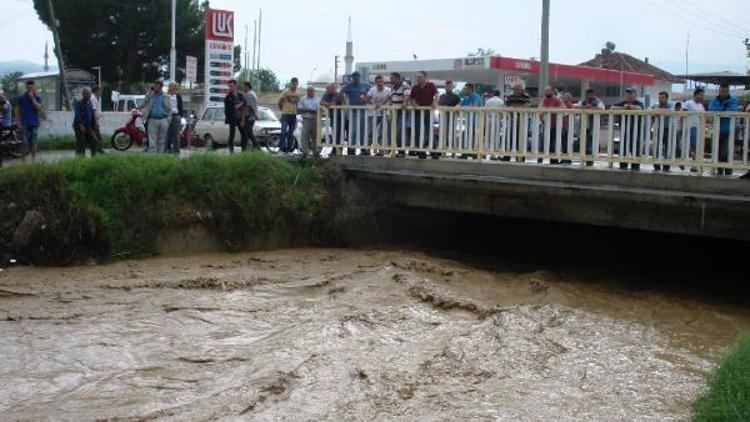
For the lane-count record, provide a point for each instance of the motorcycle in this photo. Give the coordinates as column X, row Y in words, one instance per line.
column 11, row 145
column 187, row 134
column 133, row 131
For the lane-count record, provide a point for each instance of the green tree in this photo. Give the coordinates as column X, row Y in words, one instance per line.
column 263, row 80
column 609, row 47
column 237, row 58
column 129, row 39
column 10, row 86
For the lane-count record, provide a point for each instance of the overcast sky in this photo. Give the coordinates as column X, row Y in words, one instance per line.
column 300, row 36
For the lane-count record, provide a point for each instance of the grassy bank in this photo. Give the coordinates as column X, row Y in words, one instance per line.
column 728, row 394
column 115, row 206
column 57, row 143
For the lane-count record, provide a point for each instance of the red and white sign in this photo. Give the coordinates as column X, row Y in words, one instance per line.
column 219, row 61
column 219, row 25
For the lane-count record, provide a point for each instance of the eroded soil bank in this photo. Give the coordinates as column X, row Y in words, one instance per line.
column 346, row 334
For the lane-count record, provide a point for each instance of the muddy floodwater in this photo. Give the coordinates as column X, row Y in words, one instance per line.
column 345, row 334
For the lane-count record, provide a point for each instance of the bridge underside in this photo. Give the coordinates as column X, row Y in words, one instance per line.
column 699, row 206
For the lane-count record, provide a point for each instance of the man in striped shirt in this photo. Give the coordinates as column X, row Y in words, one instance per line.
column 400, row 91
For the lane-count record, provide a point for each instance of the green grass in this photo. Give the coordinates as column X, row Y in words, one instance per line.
column 57, row 143
column 728, row 394
column 114, row 206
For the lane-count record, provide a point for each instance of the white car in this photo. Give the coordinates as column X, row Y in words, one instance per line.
column 212, row 129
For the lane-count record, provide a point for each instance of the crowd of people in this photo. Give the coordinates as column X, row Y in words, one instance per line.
column 163, row 111
column 424, row 93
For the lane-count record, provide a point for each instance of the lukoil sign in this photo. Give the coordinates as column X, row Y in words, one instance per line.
column 219, row 62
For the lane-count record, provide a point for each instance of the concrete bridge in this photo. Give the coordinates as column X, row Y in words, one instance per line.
column 690, row 205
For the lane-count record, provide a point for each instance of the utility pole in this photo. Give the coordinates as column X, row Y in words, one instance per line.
column 246, row 54
column 544, row 70
column 173, row 50
column 58, row 53
column 260, row 29
column 255, row 40
column 687, row 55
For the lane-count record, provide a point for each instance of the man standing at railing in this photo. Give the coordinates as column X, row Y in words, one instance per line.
column 308, row 108
column 356, row 95
column 400, row 92
column 589, row 102
column 630, row 129
column 518, row 99
column 551, row 100
column 725, row 103
column 335, row 117
column 378, row 96
column 470, row 98
column 288, row 106
column 693, row 122
column 663, row 125
column 423, row 94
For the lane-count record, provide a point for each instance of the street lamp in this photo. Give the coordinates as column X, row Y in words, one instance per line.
column 99, row 70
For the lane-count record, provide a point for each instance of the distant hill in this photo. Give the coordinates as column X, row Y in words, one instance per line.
column 21, row 65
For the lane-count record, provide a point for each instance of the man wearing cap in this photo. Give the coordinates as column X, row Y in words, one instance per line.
column 355, row 93
column 725, row 103
column 589, row 102
column 155, row 109
column 630, row 129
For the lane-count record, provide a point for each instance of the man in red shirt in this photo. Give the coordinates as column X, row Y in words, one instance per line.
column 423, row 94
column 551, row 100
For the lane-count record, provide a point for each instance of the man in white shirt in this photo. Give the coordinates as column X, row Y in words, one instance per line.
column 693, row 122
column 97, row 106
column 378, row 96
column 495, row 101
column 308, row 108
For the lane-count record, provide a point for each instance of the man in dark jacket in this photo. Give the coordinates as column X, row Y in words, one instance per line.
column 84, row 125
column 175, row 123
column 234, row 103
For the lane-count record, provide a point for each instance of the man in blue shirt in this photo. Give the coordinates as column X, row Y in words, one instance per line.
column 156, row 110
column 724, row 103
column 356, row 95
column 470, row 98
column 84, row 125
column 28, row 109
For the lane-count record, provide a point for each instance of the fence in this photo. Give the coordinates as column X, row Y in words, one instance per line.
column 700, row 141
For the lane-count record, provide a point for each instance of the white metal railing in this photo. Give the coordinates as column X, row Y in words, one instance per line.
column 700, row 141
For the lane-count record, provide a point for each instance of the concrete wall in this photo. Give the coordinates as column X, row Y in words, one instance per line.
column 698, row 206
column 60, row 123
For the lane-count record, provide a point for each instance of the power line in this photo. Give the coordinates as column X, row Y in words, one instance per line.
column 696, row 23
column 718, row 18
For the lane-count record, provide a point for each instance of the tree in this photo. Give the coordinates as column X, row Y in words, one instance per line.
column 481, row 52
column 10, row 86
column 264, row 80
column 129, row 39
column 609, row 47
column 237, row 58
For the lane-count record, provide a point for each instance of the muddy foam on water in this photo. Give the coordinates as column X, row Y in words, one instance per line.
column 346, row 335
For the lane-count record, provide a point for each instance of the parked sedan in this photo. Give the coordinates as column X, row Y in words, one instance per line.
column 212, row 129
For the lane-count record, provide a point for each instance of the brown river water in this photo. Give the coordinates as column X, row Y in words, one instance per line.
column 347, row 334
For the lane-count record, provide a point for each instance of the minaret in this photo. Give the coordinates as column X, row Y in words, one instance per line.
column 349, row 58
column 46, row 56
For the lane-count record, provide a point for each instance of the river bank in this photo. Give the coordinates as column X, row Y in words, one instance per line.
column 348, row 334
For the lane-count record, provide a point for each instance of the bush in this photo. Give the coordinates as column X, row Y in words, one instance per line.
column 116, row 205
column 728, row 394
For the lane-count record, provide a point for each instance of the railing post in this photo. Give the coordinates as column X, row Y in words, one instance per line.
column 481, row 136
column 583, row 138
column 700, row 146
column 319, row 130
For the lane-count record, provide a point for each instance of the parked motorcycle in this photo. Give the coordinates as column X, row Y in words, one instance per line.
column 133, row 132
column 187, row 134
